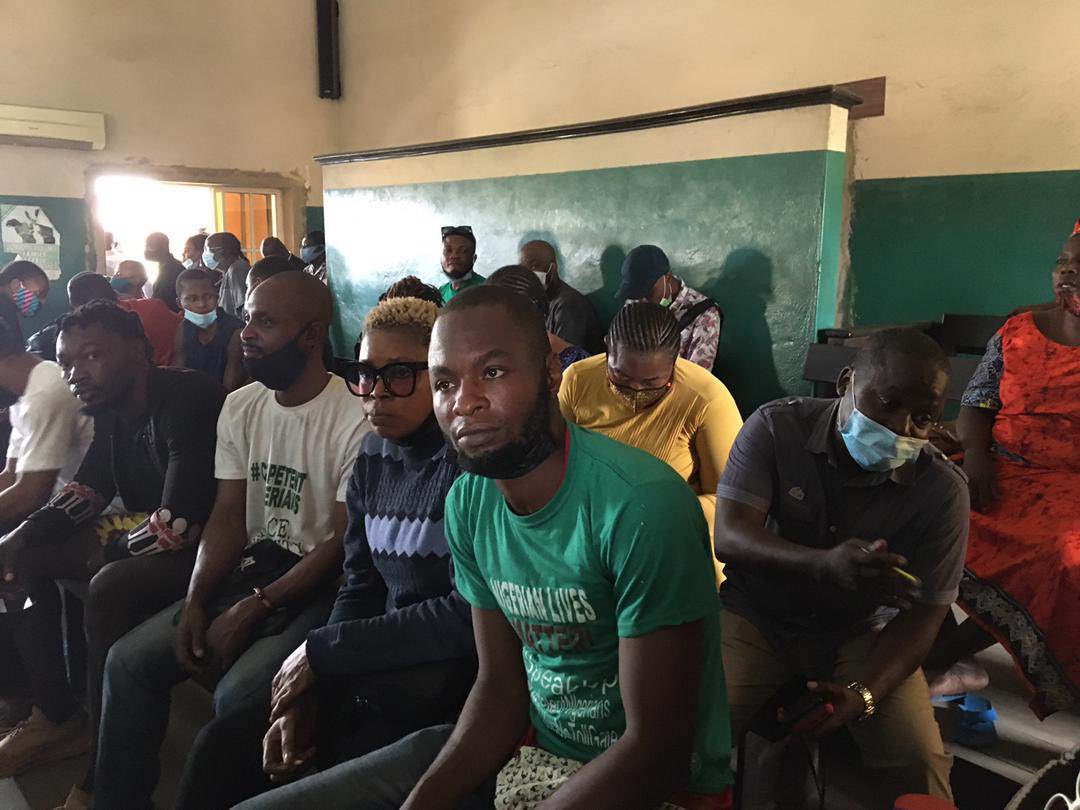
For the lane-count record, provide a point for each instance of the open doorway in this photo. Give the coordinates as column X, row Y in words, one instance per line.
column 130, row 208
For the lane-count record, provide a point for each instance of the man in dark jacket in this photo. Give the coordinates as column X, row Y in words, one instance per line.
column 153, row 445
column 169, row 269
column 82, row 289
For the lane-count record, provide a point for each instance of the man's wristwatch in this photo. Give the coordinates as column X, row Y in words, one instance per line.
column 869, row 706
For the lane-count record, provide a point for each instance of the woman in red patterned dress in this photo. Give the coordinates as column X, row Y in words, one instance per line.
column 1020, row 427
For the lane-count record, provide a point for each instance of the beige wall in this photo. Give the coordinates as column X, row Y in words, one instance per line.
column 973, row 85
column 200, row 83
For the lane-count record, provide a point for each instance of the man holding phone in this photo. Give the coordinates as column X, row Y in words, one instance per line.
column 844, row 534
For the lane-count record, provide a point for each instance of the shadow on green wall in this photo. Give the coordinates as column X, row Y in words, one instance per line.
column 743, row 287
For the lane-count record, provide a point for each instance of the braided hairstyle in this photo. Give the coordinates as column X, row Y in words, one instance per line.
column 644, row 327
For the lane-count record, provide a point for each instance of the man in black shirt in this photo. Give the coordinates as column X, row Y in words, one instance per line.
column 153, row 445
column 571, row 316
column 272, row 246
column 169, row 269
column 82, row 289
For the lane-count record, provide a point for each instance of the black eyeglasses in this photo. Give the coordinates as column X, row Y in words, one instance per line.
column 398, row 379
column 456, row 230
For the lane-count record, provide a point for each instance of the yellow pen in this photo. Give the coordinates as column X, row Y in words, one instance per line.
column 909, row 577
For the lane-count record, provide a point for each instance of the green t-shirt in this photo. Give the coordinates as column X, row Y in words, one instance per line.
column 447, row 290
column 621, row 551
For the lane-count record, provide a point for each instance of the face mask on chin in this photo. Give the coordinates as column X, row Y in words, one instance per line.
column 874, row 447
column 523, row 456
column 1070, row 302
column 200, row 319
column 637, row 400
column 279, row 369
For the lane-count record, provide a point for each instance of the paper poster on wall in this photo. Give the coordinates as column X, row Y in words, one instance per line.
column 27, row 231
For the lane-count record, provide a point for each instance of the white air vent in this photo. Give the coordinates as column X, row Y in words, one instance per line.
column 63, row 129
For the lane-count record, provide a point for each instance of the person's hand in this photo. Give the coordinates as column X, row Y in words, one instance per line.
column 11, row 546
column 847, row 705
column 289, row 745
column 869, row 570
column 191, row 637
column 231, row 632
column 293, row 680
column 982, row 479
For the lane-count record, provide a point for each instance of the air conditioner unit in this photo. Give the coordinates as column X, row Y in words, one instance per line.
column 62, row 129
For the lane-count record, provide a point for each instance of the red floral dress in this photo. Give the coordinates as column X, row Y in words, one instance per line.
column 1022, row 579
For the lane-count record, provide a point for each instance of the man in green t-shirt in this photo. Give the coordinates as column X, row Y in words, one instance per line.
column 458, row 258
column 587, row 564
column 588, row 569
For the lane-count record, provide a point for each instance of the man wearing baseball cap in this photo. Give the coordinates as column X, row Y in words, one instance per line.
column 647, row 276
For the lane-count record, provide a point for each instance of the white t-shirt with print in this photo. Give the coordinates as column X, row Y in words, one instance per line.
column 48, row 430
column 296, row 461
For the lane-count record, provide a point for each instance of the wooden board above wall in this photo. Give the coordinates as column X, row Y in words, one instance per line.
column 872, row 93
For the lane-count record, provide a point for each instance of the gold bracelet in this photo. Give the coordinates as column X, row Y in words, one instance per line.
column 868, row 699
column 257, row 592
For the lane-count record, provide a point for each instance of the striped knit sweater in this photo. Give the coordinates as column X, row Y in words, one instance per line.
column 397, row 607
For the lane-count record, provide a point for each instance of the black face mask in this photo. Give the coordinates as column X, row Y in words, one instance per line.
column 7, row 398
column 280, row 369
column 521, row 457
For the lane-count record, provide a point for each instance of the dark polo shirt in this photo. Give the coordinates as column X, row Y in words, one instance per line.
column 789, row 461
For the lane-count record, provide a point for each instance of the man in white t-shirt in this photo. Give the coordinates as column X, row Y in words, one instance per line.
column 271, row 551
column 49, row 437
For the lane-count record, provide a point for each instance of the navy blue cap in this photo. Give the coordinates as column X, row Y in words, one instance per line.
column 641, row 269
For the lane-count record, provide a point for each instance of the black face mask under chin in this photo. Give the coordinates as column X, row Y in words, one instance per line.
column 521, row 457
column 280, row 369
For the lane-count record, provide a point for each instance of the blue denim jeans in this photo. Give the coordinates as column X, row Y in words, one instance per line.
column 140, row 672
column 381, row 780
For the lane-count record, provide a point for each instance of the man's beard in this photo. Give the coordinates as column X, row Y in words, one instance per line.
column 519, row 457
column 457, row 272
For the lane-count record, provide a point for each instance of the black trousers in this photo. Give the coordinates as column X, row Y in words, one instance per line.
column 225, row 764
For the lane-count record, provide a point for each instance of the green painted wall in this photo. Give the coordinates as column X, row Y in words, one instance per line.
column 314, row 219
column 69, row 217
column 747, row 231
column 979, row 244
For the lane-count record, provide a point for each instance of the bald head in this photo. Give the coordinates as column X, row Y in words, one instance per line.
column 157, row 247
column 304, row 297
column 539, row 257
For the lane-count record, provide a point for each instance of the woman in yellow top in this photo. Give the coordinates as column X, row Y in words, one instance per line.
column 643, row 394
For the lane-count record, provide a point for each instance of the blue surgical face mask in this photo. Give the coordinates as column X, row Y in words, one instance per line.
column 312, row 253
column 188, row 263
column 874, row 447
column 208, row 259
column 201, row 320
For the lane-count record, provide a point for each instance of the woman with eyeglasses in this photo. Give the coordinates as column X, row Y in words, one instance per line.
column 397, row 654
column 643, row 394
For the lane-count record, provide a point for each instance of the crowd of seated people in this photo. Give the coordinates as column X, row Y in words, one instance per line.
column 477, row 565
